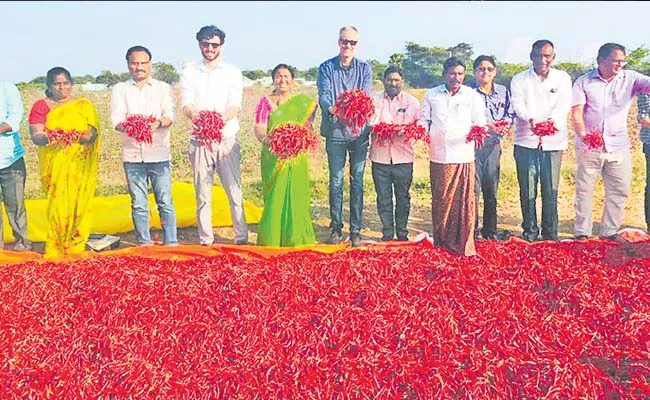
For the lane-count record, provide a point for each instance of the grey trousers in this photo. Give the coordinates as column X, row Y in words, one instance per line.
column 616, row 170
column 12, row 193
column 205, row 163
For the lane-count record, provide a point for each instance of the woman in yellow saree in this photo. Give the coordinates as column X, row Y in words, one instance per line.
column 286, row 219
column 65, row 129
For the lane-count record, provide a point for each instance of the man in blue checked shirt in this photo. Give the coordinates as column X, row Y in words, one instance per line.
column 488, row 156
column 336, row 75
column 12, row 165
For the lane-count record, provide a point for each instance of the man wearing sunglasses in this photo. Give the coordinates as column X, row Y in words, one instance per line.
column 214, row 85
column 335, row 76
column 601, row 102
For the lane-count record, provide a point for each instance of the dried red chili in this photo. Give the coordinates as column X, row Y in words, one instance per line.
column 593, row 140
column 62, row 138
column 208, row 127
column 545, row 128
column 138, row 127
column 289, row 140
column 477, row 134
column 354, row 108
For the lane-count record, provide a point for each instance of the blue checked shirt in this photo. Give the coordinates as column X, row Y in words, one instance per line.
column 497, row 108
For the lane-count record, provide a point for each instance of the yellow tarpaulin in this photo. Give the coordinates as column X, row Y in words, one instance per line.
column 112, row 214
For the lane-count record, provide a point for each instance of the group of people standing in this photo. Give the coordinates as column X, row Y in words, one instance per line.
column 459, row 170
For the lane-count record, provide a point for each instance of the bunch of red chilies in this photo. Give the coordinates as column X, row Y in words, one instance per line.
column 520, row 321
column 289, row 140
column 477, row 134
column 354, row 108
column 502, row 126
column 545, row 128
column 384, row 132
column 209, row 125
column 138, row 127
column 62, row 138
column 593, row 140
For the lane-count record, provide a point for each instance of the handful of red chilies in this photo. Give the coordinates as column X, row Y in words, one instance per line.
column 60, row 137
column 208, row 127
column 593, row 140
column 478, row 135
column 138, row 127
column 544, row 128
column 354, row 108
column 384, row 132
column 289, row 140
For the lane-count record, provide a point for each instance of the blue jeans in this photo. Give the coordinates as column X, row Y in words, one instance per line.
column 138, row 176
column 336, row 154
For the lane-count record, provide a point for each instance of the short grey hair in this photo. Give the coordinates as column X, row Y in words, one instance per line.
column 345, row 28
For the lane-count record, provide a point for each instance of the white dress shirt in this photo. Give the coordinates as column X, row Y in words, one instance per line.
column 540, row 100
column 154, row 99
column 448, row 119
column 213, row 90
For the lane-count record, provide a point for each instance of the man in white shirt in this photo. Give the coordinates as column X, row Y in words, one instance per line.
column 214, row 85
column 538, row 94
column 146, row 162
column 448, row 113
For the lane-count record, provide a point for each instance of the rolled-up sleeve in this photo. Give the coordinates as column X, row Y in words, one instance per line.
column 425, row 113
column 15, row 111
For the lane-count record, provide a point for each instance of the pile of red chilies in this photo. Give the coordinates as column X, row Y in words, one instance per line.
column 354, row 108
column 477, row 134
column 520, row 321
column 384, row 132
column 138, row 127
column 593, row 140
column 62, row 138
column 289, row 140
column 209, row 125
column 545, row 128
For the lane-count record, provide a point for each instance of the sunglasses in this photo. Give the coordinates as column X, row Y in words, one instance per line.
column 346, row 42
column 208, row 44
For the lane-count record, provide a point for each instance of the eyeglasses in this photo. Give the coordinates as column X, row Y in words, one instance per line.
column 346, row 42
column 208, row 44
column 485, row 69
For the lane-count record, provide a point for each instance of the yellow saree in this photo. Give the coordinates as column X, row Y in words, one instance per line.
column 69, row 176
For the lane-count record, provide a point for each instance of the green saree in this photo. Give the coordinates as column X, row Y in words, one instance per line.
column 286, row 219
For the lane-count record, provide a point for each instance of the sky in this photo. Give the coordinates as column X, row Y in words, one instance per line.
column 88, row 37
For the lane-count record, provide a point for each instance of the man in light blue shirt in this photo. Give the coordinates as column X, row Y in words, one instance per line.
column 12, row 165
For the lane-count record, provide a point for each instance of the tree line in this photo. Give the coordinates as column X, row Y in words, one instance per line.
column 422, row 67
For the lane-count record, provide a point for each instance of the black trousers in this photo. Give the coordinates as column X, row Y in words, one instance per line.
column 389, row 178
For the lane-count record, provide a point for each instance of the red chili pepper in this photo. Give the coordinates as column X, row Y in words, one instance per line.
column 502, row 126
column 593, row 140
column 289, row 140
column 354, row 108
column 62, row 138
column 477, row 134
column 138, row 127
column 209, row 126
column 545, row 128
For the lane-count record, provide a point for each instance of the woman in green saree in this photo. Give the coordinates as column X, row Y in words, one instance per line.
column 286, row 219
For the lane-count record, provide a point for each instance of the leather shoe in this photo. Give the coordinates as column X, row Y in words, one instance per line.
column 355, row 239
column 386, row 238
column 402, row 238
column 581, row 237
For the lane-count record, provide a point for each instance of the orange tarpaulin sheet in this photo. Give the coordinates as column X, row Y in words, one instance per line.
column 185, row 252
column 112, row 214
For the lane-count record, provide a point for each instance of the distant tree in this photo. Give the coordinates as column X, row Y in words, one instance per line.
column 39, row 79
column 254, row 74
column 463, row 52
column 83, row 79
column 123, row 77
column 573, row 69
column 636, row 59
column 108, row 78
column 506, row 71
column 377, row 69
column 311, row 74
column 423, row 65
column 396, row 59
column 165, row 72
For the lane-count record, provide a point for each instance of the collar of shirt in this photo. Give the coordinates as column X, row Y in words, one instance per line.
column 205, row 68
column 131, row 82
column 338, row 63
column 595, row 74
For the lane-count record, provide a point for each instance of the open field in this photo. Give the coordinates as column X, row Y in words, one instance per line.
column 112, row 180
